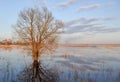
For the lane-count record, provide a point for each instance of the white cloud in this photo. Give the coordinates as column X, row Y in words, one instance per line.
column 88, row 7
column 39, row 2
column 86, row 24
column 67, row 3
column 88, row 38
column 86, row 20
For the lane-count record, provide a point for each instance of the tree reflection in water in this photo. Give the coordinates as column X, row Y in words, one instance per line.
column 36, row 73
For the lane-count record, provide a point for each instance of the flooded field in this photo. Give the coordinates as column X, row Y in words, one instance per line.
column 66, row 64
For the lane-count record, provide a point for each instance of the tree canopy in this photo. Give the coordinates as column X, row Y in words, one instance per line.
column 38, row 28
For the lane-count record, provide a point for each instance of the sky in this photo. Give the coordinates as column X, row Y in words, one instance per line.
column 85, row 21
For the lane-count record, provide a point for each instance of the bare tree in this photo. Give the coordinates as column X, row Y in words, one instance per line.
column 38, row 28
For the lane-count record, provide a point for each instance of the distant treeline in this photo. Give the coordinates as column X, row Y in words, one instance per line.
column 67, row 45
column 15, row 43
column 90, row 45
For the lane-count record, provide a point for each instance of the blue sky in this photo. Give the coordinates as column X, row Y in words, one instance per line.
column 86, row 21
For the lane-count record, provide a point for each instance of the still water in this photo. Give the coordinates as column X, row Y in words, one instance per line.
column 66, row 64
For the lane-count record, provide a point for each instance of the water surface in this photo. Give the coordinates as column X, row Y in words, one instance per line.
column 66, row 64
